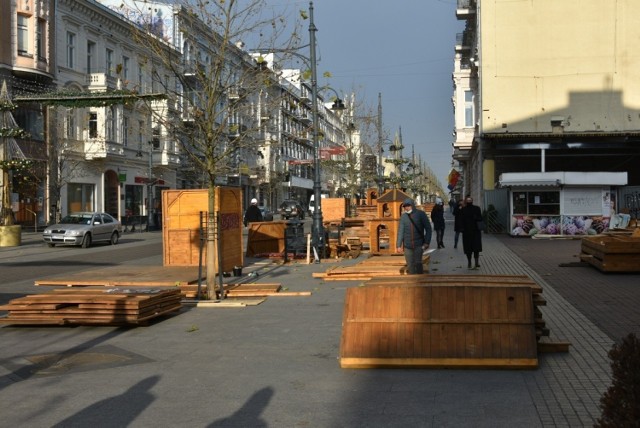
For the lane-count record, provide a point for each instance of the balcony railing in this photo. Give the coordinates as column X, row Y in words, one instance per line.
column 465, row 8
column 101, row 81
column 99, row 148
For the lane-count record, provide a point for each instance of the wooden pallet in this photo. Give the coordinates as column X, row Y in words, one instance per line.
column 93, row 306
column 373, row 267
column 612, row 253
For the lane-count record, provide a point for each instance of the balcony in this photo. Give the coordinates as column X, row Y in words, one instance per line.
column 99, row 148
column 101, row 82
column 236, row 93
column 465, row 9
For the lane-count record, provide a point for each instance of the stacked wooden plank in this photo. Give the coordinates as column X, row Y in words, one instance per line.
column 93, row 306
column 374, row 266
column 612, row 253
column 471, row 321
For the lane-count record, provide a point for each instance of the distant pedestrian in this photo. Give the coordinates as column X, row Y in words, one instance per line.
column 414, row 236
column 253, row 213
column 457, row 222
column 437, row 217
column 471, row 235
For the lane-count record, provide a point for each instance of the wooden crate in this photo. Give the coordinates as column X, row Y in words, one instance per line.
column 181, row 226
column 334, row 208
column 265, row 238
column 439, row 326
column 612, row 253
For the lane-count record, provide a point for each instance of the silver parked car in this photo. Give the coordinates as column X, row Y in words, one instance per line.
column 83, row 228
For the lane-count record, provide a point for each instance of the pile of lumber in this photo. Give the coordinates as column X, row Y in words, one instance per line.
column 374, row 266
column 612, row 253
column 93, row 306
column 468, row 321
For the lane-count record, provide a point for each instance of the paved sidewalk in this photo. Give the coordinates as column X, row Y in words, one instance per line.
column 276, row 364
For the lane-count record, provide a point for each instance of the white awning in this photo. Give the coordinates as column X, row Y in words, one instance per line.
column 562, row 178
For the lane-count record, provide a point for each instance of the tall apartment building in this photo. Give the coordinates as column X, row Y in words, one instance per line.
column 547, row 109
column 27, row 60
column 112, row 157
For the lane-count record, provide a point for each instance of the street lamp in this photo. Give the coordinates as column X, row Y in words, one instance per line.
column 317, row 229
column 150, row 181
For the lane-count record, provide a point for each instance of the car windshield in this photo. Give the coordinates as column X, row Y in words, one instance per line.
column 77, row 219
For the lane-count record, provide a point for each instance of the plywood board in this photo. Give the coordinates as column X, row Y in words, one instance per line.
column 446, row 326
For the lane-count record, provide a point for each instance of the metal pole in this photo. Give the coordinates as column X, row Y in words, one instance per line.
column 150, row 187
column 317, row 227
column 380, row 167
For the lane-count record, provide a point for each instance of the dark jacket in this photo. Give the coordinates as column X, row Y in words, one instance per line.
column 410, row 236
column 458, row 225
column 437, row 217
column 252, row 214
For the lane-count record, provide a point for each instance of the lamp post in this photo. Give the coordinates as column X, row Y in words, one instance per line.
column 317, row 229
column 150, row 181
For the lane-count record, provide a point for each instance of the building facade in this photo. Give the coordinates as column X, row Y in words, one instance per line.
column 27, row 66
column 548, row 90
column 111, row 157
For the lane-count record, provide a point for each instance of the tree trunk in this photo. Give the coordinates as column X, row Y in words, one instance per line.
column 211, row 243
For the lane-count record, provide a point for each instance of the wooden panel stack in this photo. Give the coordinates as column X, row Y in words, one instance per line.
column 612, row 253
column 439, row 323
column 93, row 306
column 376, row 265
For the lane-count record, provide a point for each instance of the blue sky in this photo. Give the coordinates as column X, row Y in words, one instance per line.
column 402, row 49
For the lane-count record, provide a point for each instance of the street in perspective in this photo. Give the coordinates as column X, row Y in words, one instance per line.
column 277, row 363
column 332, row 214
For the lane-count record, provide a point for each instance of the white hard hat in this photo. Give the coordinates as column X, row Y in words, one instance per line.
column 254, row 201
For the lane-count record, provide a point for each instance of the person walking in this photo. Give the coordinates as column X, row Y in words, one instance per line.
column 471, row 235
column 457, row 222
column 253, row 213
column 414, row 236
column 437, row 217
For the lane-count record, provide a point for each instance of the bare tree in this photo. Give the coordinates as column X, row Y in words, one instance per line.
column 218, row 88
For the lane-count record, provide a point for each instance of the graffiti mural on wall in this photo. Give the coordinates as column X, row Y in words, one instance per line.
column 558, row 225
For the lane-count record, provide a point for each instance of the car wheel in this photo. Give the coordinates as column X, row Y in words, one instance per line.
column 51, row 245
column 86, row 242
column 114, row 238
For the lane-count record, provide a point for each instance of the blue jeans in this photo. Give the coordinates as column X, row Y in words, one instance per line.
column 413, row 257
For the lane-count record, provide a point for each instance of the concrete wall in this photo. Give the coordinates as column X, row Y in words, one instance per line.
column 574, row 61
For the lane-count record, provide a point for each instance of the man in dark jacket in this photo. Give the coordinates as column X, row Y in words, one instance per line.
column 414, row 236
column 253, row 213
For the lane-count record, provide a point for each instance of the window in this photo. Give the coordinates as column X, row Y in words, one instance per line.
column 108, row 61
column 125, row 67
column 41, row 40
column 93, row 125
column 71, row 49
column 468, row 109
column 140, row 77
column 125, row 131
column 91, row 50
column 80, row 197
column 140, row 132
column 110, row 123
column 536, row 203
column 70, row 123
column 23, row 35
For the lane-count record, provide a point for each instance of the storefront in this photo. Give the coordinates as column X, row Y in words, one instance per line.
column 562, row 202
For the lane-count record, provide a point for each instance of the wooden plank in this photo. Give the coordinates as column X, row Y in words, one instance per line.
column 488, row 363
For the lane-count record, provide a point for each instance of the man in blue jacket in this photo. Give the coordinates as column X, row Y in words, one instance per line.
column 414, row 236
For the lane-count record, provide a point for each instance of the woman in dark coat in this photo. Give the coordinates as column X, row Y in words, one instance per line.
column 437, row 217
column 471, row 236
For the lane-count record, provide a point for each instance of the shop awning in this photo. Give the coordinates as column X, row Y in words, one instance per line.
column 562, row 178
